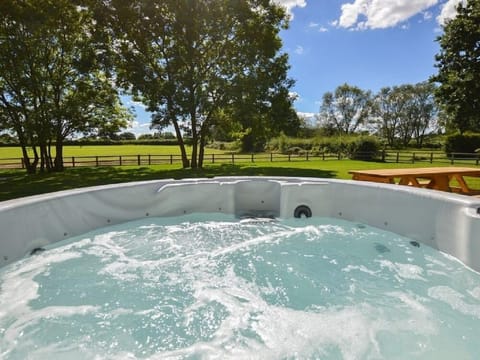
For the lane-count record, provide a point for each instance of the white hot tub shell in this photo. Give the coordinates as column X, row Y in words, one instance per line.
column 447, row 222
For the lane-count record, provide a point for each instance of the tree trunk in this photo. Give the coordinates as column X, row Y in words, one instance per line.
column 193, row 118
column 181, row 144
column 201, row 152
column 58, row 163
column 30, row 166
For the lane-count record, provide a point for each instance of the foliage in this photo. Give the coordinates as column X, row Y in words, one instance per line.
column 365, row 147
column 52, row 82
column 127, row 136
column 190, row 61
column 462, row 143
column 458, row 64
column 7, row 139
column 346, row 109
column 233, row 146
column 404, row 113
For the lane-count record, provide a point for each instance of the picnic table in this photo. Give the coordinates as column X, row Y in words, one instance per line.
column 438, row 178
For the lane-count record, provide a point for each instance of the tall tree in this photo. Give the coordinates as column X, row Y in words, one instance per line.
column 389, row 108
column 346, row 109
column 423, row 111
column 458, row 66
column 190, row 60
column 51, row 82
column 263, row 106
column 405, row 112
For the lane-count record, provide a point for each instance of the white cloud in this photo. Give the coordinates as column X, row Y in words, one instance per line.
column 299, row 50
column 317, row 26
column 136, row 104
column 380, row 14
column 427, row 15
column 306, row 114
column 139, row 128
column 449, row 11
column 309, row 117
column 290, row 4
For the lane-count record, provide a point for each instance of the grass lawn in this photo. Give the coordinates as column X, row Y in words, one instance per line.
column 16, row 183
column 109, row 150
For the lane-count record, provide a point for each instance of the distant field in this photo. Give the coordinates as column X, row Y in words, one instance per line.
column 108, row 150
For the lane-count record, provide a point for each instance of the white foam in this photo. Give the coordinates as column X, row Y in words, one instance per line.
column 403, row 271
column 361, row 268
column 455, row 300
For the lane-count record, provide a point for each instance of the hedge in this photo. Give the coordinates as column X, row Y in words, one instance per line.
column 465, row 143
column 364, row 147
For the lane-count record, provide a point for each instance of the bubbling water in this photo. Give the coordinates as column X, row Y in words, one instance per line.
column 213, row 286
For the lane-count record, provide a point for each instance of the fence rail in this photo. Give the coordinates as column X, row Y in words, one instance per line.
column 145, row 160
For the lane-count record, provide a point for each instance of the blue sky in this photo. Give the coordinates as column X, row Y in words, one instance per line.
column 367, row 43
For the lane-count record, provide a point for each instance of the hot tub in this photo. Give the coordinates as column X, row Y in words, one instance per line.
column 240, row 267
column 447, row 222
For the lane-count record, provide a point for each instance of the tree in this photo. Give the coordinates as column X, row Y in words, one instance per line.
column 405, row 112
column 263, row 105
column 127, row 136
column 422, row 111
column 191, row 61
column 458, row 64
column 388, row 109
column 52, row 84
column 346, row 109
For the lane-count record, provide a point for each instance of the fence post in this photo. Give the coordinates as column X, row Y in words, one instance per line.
column 289, row 155
column 271, row 157
column 431, row 157
column 384, row 154
column 171, row 159
column 96, row 160
column 149, row 159
column 73, row 161
column 398, row 156
column 120, row 160
column 22, row 162
column 323, row 155
column 452, row 158
column 233, row 158
column 213, row 158
column 306, row 158
column 253, row 158
column 413, row 158
column 138, row 160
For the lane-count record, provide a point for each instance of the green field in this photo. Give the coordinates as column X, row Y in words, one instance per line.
column 109, row 150
column 16, row 183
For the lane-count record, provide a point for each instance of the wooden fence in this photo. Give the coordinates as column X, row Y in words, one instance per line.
column 146, row 160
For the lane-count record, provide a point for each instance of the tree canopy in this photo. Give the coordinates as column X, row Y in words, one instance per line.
column 405, row 112
column 458, row 64
column 52, row 82
column 195, row 63
column 346, row 109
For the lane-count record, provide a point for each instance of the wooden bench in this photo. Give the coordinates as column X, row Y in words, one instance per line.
column 437, row 178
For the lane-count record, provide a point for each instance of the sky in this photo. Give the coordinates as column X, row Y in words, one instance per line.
column 367, row 43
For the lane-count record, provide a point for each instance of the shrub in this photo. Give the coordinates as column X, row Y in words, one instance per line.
column 283, row 144
column 466, row 143
column 356, row 147
column 364, row 148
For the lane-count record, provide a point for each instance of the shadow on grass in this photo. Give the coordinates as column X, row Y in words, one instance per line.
column 14, row 184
